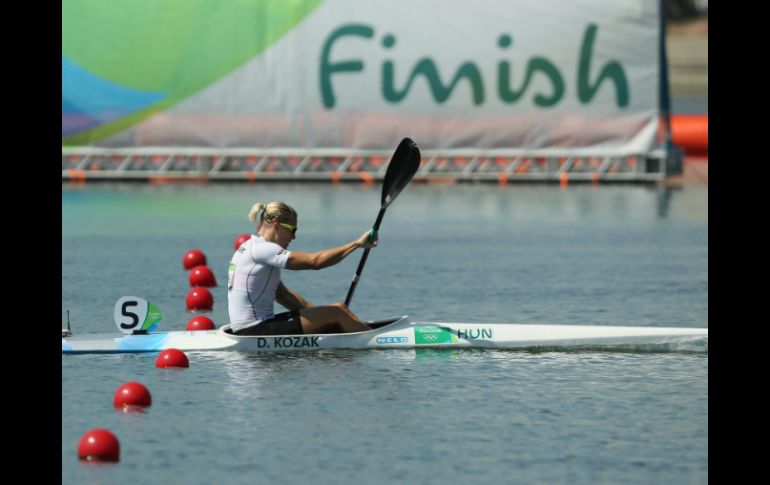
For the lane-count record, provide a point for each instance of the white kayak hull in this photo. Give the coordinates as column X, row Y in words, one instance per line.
column 404, row 334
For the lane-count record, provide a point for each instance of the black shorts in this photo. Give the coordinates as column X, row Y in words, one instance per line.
column 286, row 323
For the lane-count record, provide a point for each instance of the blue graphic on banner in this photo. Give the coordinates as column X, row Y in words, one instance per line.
column 88, row 100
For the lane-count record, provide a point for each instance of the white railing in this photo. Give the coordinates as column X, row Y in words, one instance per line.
column 249, row 165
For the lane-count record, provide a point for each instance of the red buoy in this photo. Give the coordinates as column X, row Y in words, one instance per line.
column 193, row 258
column 99, row 445
column 132, row 394
column 199, row 299
column 200, row 323
column 202, row 276
column 241, row 239
column 172, row 358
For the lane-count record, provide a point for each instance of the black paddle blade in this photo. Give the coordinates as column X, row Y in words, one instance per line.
column 403, row 165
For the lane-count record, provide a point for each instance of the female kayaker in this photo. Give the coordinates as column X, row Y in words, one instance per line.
column 254, row 279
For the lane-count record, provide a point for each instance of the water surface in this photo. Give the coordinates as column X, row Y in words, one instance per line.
column 525, row 254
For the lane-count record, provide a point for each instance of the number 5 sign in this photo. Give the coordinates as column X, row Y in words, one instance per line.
column 136, row 315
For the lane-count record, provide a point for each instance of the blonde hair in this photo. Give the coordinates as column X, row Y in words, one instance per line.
column 272, row 211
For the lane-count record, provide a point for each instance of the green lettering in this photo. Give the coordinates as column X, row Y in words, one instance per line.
column 328, row 68
column 535, row 64
column 440, row 92
column 426, row 67
column 612, row 71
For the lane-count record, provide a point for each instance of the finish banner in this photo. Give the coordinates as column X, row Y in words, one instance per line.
column 352, row 74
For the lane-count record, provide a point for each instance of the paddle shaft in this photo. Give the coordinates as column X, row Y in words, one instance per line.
column 361, row 263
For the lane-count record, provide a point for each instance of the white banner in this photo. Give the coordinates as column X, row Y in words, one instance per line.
column 488, row 74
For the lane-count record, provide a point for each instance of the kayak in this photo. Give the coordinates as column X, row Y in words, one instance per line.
column 402, row 333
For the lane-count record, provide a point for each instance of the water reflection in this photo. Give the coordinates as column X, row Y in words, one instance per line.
column 664, row 201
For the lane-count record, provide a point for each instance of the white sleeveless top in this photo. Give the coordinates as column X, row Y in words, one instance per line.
column 253, row 277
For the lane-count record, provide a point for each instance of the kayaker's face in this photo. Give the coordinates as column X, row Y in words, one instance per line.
column 285, row 232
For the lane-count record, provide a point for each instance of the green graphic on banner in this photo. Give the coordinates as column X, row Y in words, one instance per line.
column 146, row 56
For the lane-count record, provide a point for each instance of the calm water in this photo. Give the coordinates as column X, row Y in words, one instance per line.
column 526, row 254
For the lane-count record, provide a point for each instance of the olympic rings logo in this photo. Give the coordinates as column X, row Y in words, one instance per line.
column 430, row 337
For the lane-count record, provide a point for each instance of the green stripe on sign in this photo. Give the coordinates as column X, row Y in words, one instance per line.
column 153, row 318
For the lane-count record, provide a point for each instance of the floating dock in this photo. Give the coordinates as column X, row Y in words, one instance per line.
column 167, row 164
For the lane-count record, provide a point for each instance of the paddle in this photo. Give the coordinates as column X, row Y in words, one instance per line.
column 403, row 165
